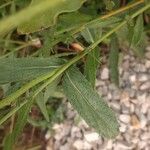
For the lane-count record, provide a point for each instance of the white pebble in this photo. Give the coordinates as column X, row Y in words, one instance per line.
column 122, row 128
column 132, row 78
column 91, row 137
column 105, row 74
column 124, row 118
column 82, row 145
column 145, row 86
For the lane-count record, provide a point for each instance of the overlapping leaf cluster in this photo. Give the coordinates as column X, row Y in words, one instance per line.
column 38, row 61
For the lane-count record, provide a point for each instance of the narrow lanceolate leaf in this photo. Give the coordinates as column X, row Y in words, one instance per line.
column 89, row 104
column 20, row 123
column 42, row 105
column 20, row 69
column 7, row 142
column 91, row 65
column 92, row 61
column 137, row 38
column 47, row 17
column 114, row 60
column 138, row 31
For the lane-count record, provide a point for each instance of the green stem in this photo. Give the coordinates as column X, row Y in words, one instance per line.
column 16, row 49
column 6, row 4
column 13, row 111
column 57, row 72
column 12, row 97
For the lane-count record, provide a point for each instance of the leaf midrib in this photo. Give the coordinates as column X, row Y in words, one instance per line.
column 85, row 99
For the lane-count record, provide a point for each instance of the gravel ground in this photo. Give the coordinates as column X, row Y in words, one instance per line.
column 131, row 102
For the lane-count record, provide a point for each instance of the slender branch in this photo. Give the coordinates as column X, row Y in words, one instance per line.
column 122, row 9
column 79, row 28
column 6, row 4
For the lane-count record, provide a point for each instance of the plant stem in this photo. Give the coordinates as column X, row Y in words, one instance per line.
column 122, row 9
column 80, row 27
column 6, row 4
column 57, row 72
column 12, row 97
column 16, row 49
column 13, row 111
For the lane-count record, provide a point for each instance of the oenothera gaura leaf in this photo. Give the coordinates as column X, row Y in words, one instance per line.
column 89, row 104
column 19, row 69
column 48, row 16
column 114, row 60
column 92, row 60
column 19, row 125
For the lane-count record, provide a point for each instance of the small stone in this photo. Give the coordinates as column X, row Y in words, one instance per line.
column 132, row 108
column 142, row 145
column 100, row 83
column 135, row 123
column 116, row 95
column 141, row 97
column 124, row 118
column 132, row 78
column 115, row 105
column 91, row 137
column 121, row 145
column 105, row 74
column 126, row 109
column 126, row 65
column 122, row 128
column 140, row 68
column 145, row 136
column 83, row 124
column 103, row 90
column 147, row 64
column 109, row 145
column 147, row 55
column 143, row 78
column 75, row 132
column 124, row 96
column 65, row 147
column 148, row 48
column 82, row 145
column 126, row 76
column 145, row 86
column 109, row 96
column 145, row 106
column 143, row 121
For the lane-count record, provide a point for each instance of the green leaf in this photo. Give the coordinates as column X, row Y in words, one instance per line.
column 136, row 36
column 7, row 142
column 91, row 65
column 92, row 61
column 10, row 113
column 42, row 105
column 104, row 23
column 22, row 119
column 20, row 69
column 20, row 124
column 51, row 89
column 47, row 17
column 88, row 103
column 138, row 31
column 69, row 21
column 114, row 60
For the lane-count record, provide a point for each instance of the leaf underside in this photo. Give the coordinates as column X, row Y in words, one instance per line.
column 20, row 69
column 88, row 103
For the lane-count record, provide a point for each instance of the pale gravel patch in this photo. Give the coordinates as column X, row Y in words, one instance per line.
column 131, row 102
